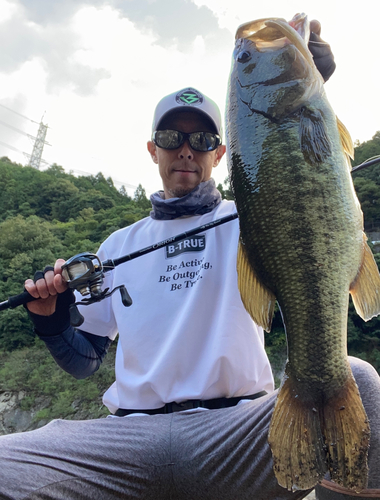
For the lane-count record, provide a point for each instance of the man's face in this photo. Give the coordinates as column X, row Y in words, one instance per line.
column 182, row 169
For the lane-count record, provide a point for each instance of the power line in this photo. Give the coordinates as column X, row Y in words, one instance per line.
column 23, row 152
column 16, row 129
column 21, row 131
column 35, row 158
column 80, row 172
column 39, row 141
column 12, row 147
column 115, row 181
column 17, row 113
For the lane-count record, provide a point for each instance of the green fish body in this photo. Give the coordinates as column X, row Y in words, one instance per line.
column 302, row 244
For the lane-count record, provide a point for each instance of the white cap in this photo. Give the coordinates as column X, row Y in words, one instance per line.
column 188, row 99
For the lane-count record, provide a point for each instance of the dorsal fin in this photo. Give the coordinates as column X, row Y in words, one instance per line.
column 346, row 141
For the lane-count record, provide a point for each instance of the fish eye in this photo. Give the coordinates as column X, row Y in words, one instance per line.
column 244, row 56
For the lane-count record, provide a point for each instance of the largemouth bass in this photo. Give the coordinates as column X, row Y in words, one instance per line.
column 302, row 244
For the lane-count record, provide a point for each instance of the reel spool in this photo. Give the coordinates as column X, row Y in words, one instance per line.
column 84, row 272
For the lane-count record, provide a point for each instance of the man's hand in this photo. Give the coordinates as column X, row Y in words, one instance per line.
column 321, row 51
column 315, row 27
column 45, row 286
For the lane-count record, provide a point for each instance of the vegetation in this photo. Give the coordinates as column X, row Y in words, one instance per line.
column 50, row 214
column 49, row 392
column 367, row 182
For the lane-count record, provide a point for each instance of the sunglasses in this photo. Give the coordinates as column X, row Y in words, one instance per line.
column 199, row 141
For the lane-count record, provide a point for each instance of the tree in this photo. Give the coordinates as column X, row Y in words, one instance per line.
column 369, row 195
column 26, row 245
column 367, row 182
column 227, row 191
column 366, row 150
column 140, row 198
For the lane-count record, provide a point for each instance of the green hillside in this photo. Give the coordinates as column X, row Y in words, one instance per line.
column 49, row 214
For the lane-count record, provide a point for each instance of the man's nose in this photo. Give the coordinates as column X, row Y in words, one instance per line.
column 185, row 151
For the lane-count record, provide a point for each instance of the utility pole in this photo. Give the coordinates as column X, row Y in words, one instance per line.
column 39, row 143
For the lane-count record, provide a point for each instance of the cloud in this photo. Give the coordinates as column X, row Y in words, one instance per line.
column 46, row 12
column 15, row 131
column 21, row 41
column 46, row 31
column 174, row 22
column 49, row 38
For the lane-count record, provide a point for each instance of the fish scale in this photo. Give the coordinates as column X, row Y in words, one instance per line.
column 302, row 245
column 275, row 201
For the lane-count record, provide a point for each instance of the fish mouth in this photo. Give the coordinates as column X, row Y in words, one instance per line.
column 274, row 33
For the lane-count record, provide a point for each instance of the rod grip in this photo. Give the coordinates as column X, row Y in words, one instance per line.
column 16, row 300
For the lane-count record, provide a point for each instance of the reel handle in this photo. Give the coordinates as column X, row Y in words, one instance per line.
column 76, row 319
column 125, row 297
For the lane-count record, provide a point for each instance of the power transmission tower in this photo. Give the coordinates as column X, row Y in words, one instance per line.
column 35, row 159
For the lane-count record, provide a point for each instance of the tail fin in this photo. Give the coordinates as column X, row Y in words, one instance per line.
column 347, row 434
column 308, row 440
column 296, row 440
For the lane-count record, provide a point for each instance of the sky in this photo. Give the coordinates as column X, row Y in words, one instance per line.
column 94, row 70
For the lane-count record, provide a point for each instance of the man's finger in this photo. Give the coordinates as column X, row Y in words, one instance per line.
column 42, row 288
column 38, row 275
column 315, row 27
column 59, row 283
column 49, row 280
column 31, row 288
column 58, row 266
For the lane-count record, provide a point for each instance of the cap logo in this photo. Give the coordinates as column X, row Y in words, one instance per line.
column 190, row 97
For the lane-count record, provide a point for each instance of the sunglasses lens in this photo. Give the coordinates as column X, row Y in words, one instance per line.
column 199, row 141
column 204, row 141
column 168, row 139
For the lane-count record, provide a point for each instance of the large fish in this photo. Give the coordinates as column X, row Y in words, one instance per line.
column 302, row 244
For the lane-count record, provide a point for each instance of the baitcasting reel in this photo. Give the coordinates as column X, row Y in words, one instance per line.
column 84, row 272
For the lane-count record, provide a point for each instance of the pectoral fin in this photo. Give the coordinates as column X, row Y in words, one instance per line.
column 365, row 290
column 257, row 299
column 315, row 143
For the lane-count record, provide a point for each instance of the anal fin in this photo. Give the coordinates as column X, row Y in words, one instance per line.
column 258, row 300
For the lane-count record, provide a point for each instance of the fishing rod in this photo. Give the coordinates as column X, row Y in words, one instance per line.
column 85, row 272
column 367, row 163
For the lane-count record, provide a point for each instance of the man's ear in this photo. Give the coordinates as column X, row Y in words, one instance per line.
column 219, row 154
column 152, row 150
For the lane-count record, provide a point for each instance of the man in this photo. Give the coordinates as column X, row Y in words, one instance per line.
column 193, row 394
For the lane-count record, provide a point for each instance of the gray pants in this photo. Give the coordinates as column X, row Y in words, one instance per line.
column 208, row 455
